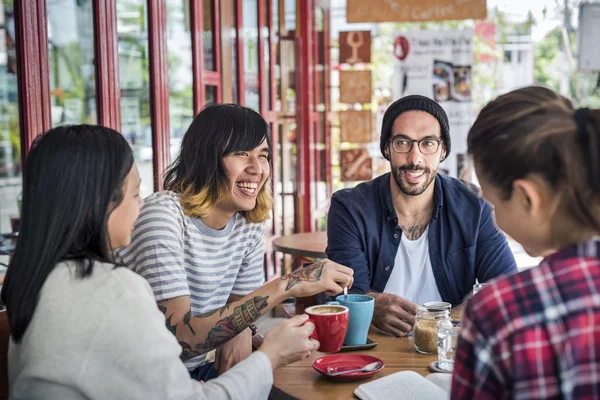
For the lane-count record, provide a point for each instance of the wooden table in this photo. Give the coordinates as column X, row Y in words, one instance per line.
column 310, row 245
column 301, row 381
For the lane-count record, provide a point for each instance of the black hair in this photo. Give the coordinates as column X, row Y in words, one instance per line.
column 198, row 173
column 72, row 181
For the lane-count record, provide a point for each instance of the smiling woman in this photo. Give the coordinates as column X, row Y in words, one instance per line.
column 224, row 164
column 248, row 172
column 202, row 239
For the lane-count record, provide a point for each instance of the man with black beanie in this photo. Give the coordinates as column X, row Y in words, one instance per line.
column 413, row 236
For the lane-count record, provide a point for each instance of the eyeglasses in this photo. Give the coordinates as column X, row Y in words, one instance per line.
column 426, row 146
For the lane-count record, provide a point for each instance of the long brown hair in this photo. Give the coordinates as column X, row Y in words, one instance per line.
column 535, row 132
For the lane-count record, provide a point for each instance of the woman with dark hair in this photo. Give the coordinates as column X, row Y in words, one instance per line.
column 536, row 334
column 79, row 321
column 200, row 243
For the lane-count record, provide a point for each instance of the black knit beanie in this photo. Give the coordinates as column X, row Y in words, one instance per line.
column 410, row 103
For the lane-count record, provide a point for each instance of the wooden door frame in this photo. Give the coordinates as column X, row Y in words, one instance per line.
column 33, row 75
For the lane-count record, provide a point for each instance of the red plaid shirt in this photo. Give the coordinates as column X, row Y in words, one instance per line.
column 535, row 334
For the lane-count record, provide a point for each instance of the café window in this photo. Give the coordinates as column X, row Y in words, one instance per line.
column 10, row 142
column 134, row 78
column 71, row 59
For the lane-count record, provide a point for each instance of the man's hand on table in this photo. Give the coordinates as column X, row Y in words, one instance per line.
column 393, row 314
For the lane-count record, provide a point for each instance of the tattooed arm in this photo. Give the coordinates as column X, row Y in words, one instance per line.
column 201, row 333
column 235, row 350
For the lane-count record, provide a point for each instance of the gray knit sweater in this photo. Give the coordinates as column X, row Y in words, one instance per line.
column 105, row 337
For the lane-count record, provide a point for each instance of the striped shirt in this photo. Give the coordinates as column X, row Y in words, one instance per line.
column 180, row 256
column 535, row 334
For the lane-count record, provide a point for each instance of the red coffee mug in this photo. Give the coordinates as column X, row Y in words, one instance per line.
column 330, row 328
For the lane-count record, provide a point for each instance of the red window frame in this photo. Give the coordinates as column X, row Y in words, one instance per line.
column 107, row 70
column 34, row 85
column 308, row 114
column 31, row 35
column 202, row 76
column 266, row 109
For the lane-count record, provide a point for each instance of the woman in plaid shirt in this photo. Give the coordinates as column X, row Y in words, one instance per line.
column 536, row 334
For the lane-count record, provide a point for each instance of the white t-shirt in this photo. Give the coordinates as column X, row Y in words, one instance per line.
column 412, row 276
column 105, row 337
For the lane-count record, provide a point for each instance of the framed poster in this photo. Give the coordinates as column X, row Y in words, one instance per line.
column 589, row 31
column 355, row 47
column 355, row 126
column 355, row 87
column 356, row 165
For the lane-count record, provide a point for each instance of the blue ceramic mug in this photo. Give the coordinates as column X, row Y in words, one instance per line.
column 361, row 309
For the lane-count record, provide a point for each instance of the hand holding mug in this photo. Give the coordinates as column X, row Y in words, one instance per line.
column 290, row 341
column 331, row 325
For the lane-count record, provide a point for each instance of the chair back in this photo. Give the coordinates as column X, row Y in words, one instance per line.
column 40, row 389
column 4, row 336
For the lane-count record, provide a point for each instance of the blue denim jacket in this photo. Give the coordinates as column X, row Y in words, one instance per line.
column 464, row 242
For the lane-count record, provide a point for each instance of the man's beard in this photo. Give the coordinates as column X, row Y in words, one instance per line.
column 409, row 188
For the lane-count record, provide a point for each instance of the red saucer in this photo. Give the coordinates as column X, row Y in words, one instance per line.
column 341, row 362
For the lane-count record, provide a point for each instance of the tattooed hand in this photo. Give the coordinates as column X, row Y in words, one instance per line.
column 322, row 276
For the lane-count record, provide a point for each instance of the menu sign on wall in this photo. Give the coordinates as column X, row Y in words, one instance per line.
column 437, row 64
column 414, row 10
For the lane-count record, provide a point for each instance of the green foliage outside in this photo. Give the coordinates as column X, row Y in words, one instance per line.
column 583, row 86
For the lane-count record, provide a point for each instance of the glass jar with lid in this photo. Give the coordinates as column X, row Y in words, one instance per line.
column 425, row 331
column 437, row 306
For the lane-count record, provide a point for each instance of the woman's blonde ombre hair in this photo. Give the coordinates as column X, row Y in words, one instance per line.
column 198, row 173
column 200, row 204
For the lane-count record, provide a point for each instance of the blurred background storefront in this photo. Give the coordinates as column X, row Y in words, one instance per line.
column 146, row 67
